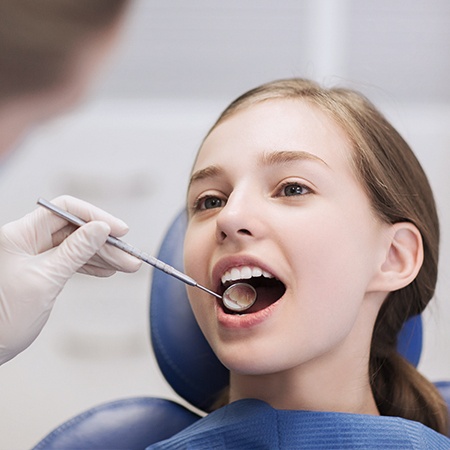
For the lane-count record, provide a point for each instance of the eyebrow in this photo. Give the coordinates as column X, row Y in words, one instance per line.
column 267, row 159
column 287, row 156
column 208, row 172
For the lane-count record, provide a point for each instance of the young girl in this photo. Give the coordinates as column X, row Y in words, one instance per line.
column 311, row 196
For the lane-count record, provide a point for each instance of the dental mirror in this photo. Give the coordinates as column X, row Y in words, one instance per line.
column 239, row 297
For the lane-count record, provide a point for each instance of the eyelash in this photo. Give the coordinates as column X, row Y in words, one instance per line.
column 199, row 202
column 287, row 183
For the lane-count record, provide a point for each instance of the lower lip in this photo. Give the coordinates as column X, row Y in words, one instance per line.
column 245, row 320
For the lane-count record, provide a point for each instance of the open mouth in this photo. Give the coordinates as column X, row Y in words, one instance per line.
column 269, row 289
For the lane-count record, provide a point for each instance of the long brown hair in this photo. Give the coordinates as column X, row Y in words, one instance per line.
column 399, row 191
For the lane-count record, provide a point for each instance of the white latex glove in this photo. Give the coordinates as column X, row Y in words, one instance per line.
column 39, row 253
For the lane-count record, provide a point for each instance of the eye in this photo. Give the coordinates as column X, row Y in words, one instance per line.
column 208, row 202
column 290, row 189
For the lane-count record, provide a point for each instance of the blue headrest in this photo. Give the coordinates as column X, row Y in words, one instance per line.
column 184, row 357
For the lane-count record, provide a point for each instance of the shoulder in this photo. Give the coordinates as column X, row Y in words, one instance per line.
column 314, row 430
column 420, row 436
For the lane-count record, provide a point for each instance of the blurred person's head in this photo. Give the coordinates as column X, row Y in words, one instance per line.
column 49, row 50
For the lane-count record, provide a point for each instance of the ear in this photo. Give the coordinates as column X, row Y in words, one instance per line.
column 404, row 257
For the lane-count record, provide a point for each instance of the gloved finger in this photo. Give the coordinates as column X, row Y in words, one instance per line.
column 89, row 269
column 76, row 250
column 34, row 233
column 89, row 212
column 109, row 257
column 63, row 233
column 45, row 225
column 102, row 259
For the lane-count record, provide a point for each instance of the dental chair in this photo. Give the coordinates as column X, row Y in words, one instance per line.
column 187, row 363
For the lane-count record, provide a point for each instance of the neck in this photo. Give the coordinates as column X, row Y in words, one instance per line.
column 313, row 391
column 336, row 381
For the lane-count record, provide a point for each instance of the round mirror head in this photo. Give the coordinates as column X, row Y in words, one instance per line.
column 239, row 297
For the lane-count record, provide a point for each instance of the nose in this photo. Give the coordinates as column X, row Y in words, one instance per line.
column 237, row 220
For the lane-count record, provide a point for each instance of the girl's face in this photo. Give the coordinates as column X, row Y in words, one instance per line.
column 273, row 200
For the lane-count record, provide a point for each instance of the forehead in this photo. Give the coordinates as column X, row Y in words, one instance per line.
column 275, row 125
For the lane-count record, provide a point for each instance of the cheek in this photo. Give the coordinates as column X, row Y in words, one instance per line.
column 334, row 261
column 196, row 265
column 336, row 232
column 195, row 253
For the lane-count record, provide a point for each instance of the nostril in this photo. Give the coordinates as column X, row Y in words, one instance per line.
column 244, row 231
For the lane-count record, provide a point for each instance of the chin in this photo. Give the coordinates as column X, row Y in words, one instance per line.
column 249, row 363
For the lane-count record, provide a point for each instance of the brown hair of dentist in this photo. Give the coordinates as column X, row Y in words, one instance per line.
column 38, row 40
column 399, row 191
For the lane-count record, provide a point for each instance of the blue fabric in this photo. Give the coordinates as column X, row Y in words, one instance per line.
column 253, row 424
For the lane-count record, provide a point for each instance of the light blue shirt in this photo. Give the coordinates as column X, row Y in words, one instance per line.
column 253, row 424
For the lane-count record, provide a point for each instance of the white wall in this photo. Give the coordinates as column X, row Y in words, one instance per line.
column 129, row 149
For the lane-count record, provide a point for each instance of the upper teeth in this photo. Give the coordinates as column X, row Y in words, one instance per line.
column 244, row 273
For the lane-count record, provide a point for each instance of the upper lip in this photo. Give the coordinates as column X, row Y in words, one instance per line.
column 229, row 262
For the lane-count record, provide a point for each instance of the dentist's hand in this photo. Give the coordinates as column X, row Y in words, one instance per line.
column 39, row 253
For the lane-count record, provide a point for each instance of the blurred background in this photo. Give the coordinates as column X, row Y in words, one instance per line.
column 130, row 146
